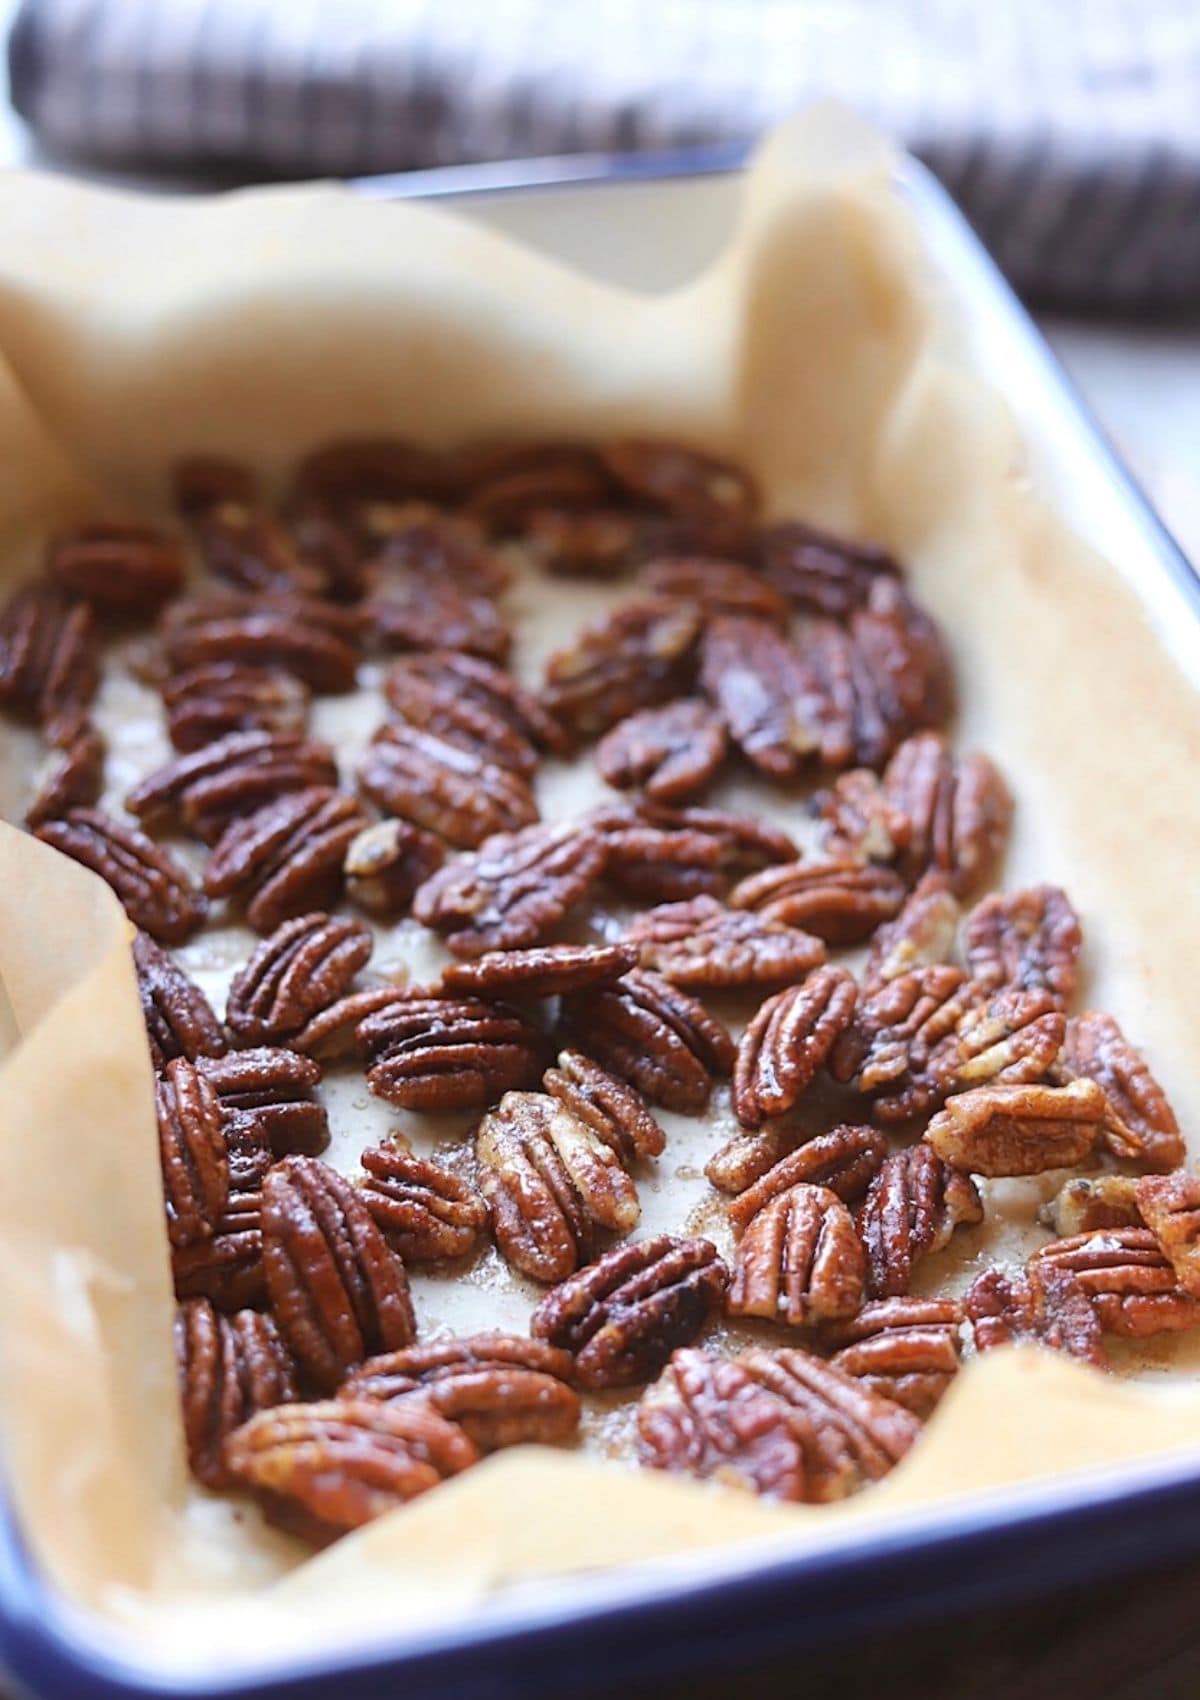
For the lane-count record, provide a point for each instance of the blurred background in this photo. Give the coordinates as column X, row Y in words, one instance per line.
column 1068, row 130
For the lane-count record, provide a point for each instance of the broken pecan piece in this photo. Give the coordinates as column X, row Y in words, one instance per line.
column 424, row 1210
column 1040, row 1304
column 1019, row 1130
column 799, row 1261
column 923, row 933
column 179, row 1018
column 514, row 890
column 658, row 1038
column 1141, row 1123
column 504, row 1389
column 719, row 587
column 338, row 1291
column 858, row 819
column 386, row 863
column 119, row 568
column 438, row 1054
column 1029, row 942
column 671, row 752
column 443, row 787
column 701, row 945
column 222, row 697
column 610, row 1107
column 310, row 638
column 843, row 1160
column 957, row 812
column 543, row 971
column 1170, row 1207
column 642, row 654
column 708, row 1417
column 202, row 792
column 754, row 675
column 821, row 573
column 49, row 653
column 286, row 858
column 229, row 1367
column 267, row 1100
column 623, row 1316
column 1093, row 1201
column 195, row 1162
column 906, row 1349
column 842, row 900
column 1128, row 1277
column 912, row 1207
column 682, row 480
column 787, row 1042
column 75, row 777
column 323, row 1468
column 155, row 891
column 228, row 1267
column 304, row 966
column 551, row 1183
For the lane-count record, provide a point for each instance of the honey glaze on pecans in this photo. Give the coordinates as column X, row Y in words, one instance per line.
column 526, row 954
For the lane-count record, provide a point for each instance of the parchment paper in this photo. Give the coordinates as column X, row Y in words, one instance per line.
column 259, row 323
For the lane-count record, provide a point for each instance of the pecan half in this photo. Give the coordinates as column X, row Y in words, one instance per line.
column 427, row 693
column 858, row 818
column 202, row 792
column 702, row 945
column 437, row 1054
column 787, row 1042
column 908, row 1350
column 504, row 1389
column 1012, row 1037
column 912, row 1207
column 843, row 1160
column 610, row 1107
column 885, row 1051
column 386, row 863
column 228, row 1267
column 195, row 1162
column 1029, row 941
column 543, row 971
column 623, row 1316
column 119, row 568
column 229, row 1367
column 642, row 654
column 425, row 1211
column 75, row 777
column 799, row 1261
column 304, row 966
column 286, row 858
column 720, row 587
column 922, row 934
column 682, row 480
column 1093, row 1201
column 332, row 1034
column 323, row 1468
column 661, row 855
column 444, row 788
column 338, row 1291
column 156, row 892
column 708, row 1417
column 658, row 1038
column 209, row 702
column 899, row 649
column 514, row 890
column 267, row 1101
column 179, row 1018
column 819, row 572
column 410, row 609
column 957, row 812
column 1127, row 1276
column 842, row 900
column 551, row 1184
column 255, row 551
column 1042, row 1305
column 421, row 541
column 1141, row 1123
column 754, row 675
column 1170, row 1207
column 671, row 752
column 1019, row 1130
column 49, row 653
column 304, row 636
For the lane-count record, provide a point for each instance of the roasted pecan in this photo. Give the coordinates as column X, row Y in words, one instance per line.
column 922, row 934
column 658, row 1038
column 858, row 819
column 49, row 654
column 610, row 1107
column 1010, row 1038
column 1093, row 1201
column 719, row 587
column 222, row 697
column 286, row 858
column 746, row 1157
column 509, row 482
column 1019, row 1130
column 851, row 1434
column 200, row 482
column 682, row 480
column 1029, row 941
column 386, row 863
column 543, row 971
column 358, row 471
column 195, row 1161
column 754, row 675
column 670, row 752
column 708, row 1417
column 597, row 543
column 799, row 1261
column 425, row 1211
column 787, row 1042
column 820, row 573
column 705, row 946
column 423, row 610
column 267, row 1100
column 1040, row 1304
column 427, row 693
column 661, row 855
column 444, row 788
column 301, row 634
column 1170, row 1207
column 76, row 773
column 642, row 654
column 900, row 650
column 229, row 1367
column 514, row 890
column 253, row 550
column 885, row 1050
column 228, row 1268
column 202, row 792
column 504, row 1389
column 304, row 966
column 551, row 1184
column 1128, row 1277
column 333, row 1032
column 623, row 1316
column 119, row 568
column 434, row 1053
column 156, row 892
column 912, row 1207
column 338, row 1291
column 1141, row 1123
column 957, row 811
column 419, row 540
column 842, row 899
column 843, row 1160
column 179, row 1018
column 323, row 1468
column 908, row 1350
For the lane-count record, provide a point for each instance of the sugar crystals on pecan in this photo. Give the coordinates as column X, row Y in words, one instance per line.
column 155, row 890
column 267, row 1101
column 300, row 969
column 426, row 1211
column 788, row 1041
column 1041, row 1304
column 442, row 787
column 923, row 933
column 844, row 1160
column 439, row 1054
column 755, row 677
column 702, row 945
column 1128, row 1277
column 912, row 1207
column 229, row 1367
column 1093, row 1201
column 514, row 890
column 660, row 1039
column 800, row 1261
column 179, row 1018
column 885, row 1050
column 1170, row 1207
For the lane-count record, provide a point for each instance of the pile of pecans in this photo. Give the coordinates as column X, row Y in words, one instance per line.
column 869, row 1102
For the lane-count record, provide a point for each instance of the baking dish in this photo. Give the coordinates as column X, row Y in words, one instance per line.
column 685, row 1611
